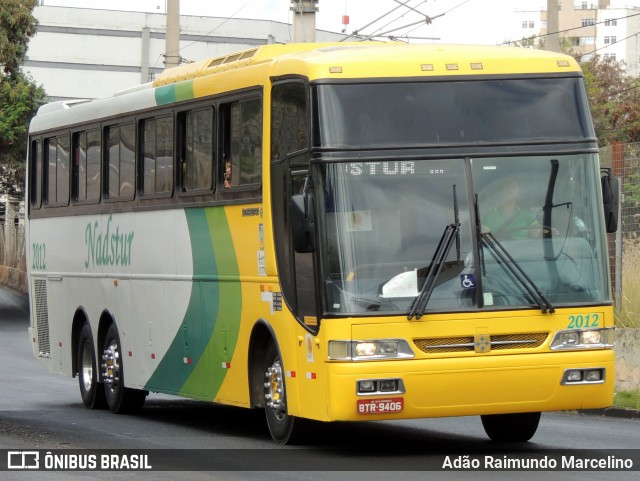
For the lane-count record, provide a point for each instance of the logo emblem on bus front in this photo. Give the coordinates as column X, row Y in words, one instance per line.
column 482, row 343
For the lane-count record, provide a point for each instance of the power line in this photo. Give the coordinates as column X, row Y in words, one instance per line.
column 533, row 37
column 211, row 31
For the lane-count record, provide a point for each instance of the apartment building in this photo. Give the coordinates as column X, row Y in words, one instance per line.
column 609, row 28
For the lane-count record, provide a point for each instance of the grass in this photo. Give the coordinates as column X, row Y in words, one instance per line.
column 627, row 399
column 628, row 315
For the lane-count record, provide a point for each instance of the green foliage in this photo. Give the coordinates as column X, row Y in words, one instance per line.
column 17, row 25
column 19, row 95
column 19, row 99
column 615, row 101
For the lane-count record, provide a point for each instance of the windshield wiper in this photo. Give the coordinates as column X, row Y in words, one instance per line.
column 419, row 304
column 490, row 241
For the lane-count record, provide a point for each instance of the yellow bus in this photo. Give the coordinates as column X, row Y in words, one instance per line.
column 329, row 232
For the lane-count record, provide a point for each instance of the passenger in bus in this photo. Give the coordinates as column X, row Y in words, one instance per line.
column 227, row 174
column 507, row 219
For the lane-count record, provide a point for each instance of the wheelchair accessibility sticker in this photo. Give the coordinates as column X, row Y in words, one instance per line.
column 468, row 281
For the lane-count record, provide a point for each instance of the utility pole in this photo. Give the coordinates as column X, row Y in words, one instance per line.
column 304, row 20
column 172, row 37
column 553, row 26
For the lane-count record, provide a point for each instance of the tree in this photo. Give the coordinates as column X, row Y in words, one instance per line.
column 20, row 97
column 614, row 98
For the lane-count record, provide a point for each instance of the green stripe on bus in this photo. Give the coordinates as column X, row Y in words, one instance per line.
column 191, row 339
column 168, row 94
column 184, row 90
column 209, row 374
column 209, row 331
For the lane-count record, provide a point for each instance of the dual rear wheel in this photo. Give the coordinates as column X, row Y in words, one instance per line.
column 111, row 391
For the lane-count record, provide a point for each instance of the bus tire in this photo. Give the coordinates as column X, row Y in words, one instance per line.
column 91, row 391
column 513, row 428
column 121, row 400
column 284, row 428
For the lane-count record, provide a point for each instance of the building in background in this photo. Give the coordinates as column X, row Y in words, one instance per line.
column 81, row 53
column 618, row 35
column 609, row 28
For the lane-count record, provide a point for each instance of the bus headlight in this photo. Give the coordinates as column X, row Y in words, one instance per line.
column 369, row 350
column 576, row 339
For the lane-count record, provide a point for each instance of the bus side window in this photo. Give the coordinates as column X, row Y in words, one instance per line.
column 196, row 150
column 57, row 172
column 157, row 155
column 241, row 143
column 35, row 174
column 289, row 120
column 120, row 172
column 86, row 151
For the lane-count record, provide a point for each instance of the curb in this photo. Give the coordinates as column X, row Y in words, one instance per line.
column 612, row 412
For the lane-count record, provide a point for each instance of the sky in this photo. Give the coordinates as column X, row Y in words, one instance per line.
column 454, row 21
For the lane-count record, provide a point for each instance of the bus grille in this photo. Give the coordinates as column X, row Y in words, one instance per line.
column 42, row 316
column 499, row 342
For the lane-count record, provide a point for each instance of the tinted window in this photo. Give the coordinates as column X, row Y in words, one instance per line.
column 452, row 112
column 157, row 168
column 121, row 161
column 289, row 120
column 242, row 143
column 57, row 159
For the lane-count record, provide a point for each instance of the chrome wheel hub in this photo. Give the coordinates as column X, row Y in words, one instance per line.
column 111, row 365
column 86, row 370
column 274, row 391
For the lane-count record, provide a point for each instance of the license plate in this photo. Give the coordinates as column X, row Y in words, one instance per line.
column 380, row 406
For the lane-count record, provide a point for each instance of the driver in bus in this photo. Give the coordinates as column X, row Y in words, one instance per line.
column 507, row 219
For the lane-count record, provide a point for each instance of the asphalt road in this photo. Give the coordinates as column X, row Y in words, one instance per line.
column 43, row 411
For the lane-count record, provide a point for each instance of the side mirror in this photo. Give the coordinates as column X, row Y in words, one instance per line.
column 303, row 223
column 610, row 196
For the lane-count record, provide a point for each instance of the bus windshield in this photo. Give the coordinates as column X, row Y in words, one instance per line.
column 382, row 221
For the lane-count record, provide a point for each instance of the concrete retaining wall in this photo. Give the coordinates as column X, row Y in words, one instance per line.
column 16, row 279
column 627, row 359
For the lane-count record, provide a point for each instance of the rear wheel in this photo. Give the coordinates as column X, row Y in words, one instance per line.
column 284, row 428
column 119, row 398
column 514, row 428
column 91, row 391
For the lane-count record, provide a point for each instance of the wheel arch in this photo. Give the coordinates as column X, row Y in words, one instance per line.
column 262, row 335
column 79, row 319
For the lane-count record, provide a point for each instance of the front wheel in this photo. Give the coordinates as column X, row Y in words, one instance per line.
column 119, row 398
column 284, row 428
column 514, row 428
column 91, row 391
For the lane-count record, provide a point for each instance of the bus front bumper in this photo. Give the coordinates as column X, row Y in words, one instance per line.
column 469, row 386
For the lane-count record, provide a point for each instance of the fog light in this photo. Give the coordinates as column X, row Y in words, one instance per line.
column 574, row 376
column 583, row 376
column 376, row 387
column 593, row 375
column 366, row 386
column 388, row 385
